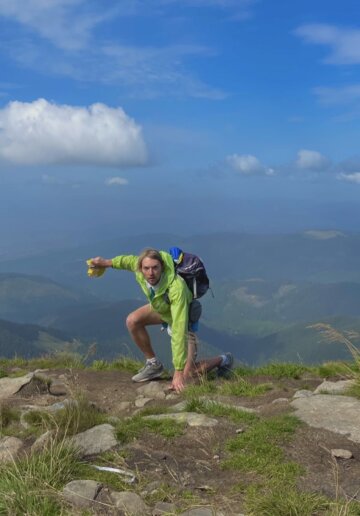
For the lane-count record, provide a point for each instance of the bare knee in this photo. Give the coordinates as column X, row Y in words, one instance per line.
column 133, row 321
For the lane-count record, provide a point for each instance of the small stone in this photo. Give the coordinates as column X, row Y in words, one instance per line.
column 42, row 442
column 199, row 511
column 81, row 493
column 216, row 457
column 204, row 488
column 130, row 503
column 303, row 393
column 240, row 430
column 164, row 508
column 341, row 454
column 58, row 389
column 61, row 405
column 180, row 407
column 172, row 396
column 96, row 440
column 334, row 387
column 280, row 400
column 191, row 418
column 9, row 448
column 153, row 390
column 141, row 402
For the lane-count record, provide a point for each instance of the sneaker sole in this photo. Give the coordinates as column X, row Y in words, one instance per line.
column 148, row 379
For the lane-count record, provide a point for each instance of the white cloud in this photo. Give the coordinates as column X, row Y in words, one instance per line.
column 247, row 164
column 155, row 71
column 40, row 132
column 116, row 181
column 66, row 23
column 343, row 42
column 311, row 160
column 351, row 178
column 77, row 51
column 337, row 96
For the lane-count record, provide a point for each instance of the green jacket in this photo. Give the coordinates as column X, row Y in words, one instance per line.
column 176, row 311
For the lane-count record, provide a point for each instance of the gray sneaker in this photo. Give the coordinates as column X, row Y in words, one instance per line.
column 224, row 371
column 149, row 372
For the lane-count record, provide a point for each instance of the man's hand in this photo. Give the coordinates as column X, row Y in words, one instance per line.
column 100, row 263
column 178, row 382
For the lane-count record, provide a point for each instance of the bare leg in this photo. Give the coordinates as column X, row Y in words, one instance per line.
column 136, row 323
column 194, row 368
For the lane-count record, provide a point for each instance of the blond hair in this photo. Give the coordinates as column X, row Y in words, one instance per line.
column 149, row 253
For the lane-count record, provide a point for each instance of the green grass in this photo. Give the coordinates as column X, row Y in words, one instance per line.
column 277, row 370
column 257, row 449
column 338, row 369
column 30, row 485
column 219, row 410
column 354, row 390
column 9, row 417
column 60, row 360
column 276, row 500
column 132, row 428
column 119, row 364
column 75, row 417
column 240, row 387
column 236, row 386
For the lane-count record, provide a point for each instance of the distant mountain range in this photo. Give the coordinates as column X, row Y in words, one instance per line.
column 268, row 290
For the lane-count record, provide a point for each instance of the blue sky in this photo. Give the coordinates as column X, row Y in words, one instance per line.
column 146, row 113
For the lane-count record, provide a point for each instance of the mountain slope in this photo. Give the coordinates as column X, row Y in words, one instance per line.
column 33, row 299
column 30, row 340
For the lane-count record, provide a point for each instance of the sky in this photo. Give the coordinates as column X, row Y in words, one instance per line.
column 181, row 116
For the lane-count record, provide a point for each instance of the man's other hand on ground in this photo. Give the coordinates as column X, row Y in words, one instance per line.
column 178, row 382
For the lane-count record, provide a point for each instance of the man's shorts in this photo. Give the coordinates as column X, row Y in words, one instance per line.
column 195, row 310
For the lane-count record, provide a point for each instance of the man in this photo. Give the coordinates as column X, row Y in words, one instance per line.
column 168, row 302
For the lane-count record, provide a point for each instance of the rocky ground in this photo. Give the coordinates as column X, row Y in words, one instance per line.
column 190, row 466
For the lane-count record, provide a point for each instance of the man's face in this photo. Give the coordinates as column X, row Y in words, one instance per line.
column 151, row 270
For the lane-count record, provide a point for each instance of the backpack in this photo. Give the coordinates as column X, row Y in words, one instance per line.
column 192, row 270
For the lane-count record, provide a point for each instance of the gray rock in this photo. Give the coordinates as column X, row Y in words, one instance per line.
column 172, row 396
column 164, row 508
column 191, row 418
column 155, row 390
column 130, row 503
column 9, row 448
column 10, row 386
column 339, row 414
column 341, row 454
column 208, row 402
column 58, row 388
column 42, row 442
column 61, row 405
column 200, row 511
column 303, row 393
column 96, row 440
column 179, row 407
column 278, row 401
column 334, row 387
column 81, row 493
column 141, row 402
